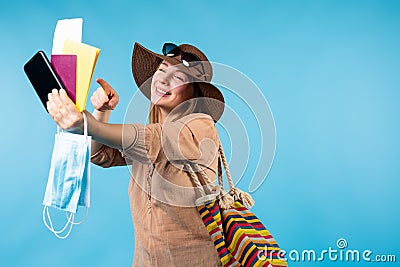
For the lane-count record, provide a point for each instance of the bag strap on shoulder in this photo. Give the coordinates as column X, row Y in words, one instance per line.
column 225, row 199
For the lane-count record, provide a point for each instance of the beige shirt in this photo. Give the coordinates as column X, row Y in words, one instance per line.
column 167, row 226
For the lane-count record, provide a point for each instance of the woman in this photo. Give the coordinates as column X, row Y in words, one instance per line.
column 182, row 134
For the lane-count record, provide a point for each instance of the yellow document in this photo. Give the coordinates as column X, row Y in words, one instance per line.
column 85, row 64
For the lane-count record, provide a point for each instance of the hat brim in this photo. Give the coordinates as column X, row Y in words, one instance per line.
column 145, row 64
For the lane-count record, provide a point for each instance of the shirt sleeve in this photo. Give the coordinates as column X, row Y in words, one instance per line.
column 108, row 157
column 192, row 138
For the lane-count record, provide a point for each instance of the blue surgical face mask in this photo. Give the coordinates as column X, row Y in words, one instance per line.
column 68, row 184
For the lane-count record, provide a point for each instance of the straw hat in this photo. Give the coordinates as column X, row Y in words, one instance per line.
column 146, row 62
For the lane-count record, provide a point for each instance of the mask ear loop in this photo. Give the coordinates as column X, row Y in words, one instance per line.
column 82, row 221
column 85, row 125
column 51, row 227
column 85, row 133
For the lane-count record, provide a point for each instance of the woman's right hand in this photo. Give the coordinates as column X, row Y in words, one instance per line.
column 105, row 97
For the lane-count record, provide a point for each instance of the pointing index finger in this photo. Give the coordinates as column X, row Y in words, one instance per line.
column 106, row 87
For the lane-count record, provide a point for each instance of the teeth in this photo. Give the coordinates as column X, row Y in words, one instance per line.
column 162, row 91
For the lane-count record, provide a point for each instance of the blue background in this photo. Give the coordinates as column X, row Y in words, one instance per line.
column 329, row 70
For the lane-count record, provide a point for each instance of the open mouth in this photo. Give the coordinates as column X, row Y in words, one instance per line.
column 162, row 92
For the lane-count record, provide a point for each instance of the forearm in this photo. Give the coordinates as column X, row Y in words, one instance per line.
column 101, row 117
column 103, row 132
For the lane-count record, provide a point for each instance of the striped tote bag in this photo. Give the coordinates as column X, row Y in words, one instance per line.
column 238, row 235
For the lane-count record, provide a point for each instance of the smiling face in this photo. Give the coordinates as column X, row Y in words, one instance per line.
column 170, row 87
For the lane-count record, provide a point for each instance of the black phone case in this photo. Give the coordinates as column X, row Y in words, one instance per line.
column 42, row 76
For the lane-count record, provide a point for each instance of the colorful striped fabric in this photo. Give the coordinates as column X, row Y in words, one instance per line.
column 239, row 236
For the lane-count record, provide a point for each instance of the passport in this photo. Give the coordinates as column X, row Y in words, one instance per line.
column 65, row 67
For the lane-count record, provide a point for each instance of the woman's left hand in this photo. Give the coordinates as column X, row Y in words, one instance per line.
column 64, row 112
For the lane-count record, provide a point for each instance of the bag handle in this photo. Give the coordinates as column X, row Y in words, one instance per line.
column 225, row 163
column 225, row 199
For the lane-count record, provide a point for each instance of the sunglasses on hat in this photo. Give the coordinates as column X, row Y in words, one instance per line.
column 187, row 59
